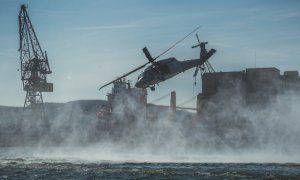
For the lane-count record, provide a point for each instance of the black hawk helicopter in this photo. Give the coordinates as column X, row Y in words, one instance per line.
column 165, row 69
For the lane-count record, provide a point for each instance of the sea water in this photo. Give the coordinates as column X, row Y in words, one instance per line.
column 21, row 163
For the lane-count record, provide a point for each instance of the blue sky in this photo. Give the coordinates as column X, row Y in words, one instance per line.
column 91, row 42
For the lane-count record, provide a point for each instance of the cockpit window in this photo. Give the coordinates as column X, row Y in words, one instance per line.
column 140, row 76
column 148, row 68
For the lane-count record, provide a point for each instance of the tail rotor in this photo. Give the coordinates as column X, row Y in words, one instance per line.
column 204, row 56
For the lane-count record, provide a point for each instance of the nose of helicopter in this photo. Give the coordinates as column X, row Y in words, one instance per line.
column 144, row 80
column 139, row 83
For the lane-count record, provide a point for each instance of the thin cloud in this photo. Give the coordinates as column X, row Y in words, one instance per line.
column 287, row 15
column 277, row 14
column 122, row 26
column 9, row 53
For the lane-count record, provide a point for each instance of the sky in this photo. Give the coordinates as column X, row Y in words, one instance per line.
column 89, row 43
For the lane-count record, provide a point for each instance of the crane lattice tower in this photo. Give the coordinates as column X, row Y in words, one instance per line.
column 34, row 66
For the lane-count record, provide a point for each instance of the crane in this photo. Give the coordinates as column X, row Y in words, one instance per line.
column 34, row 66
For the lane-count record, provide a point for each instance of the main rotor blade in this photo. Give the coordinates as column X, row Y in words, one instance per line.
column 198, row 38
column 147, row 54
column 136, row 69
column 178, row 42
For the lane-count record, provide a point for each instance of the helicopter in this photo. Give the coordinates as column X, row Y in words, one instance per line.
column 165, row 69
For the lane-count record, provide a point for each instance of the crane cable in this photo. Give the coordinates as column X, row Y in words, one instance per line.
column 187, row 101
column 160, row 98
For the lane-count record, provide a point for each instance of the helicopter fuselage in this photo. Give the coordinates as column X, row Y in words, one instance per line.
column 163, row 70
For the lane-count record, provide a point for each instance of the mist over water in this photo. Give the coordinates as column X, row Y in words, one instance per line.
column 228, row 130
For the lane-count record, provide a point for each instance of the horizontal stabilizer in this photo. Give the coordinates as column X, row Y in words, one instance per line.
column 209, row 54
